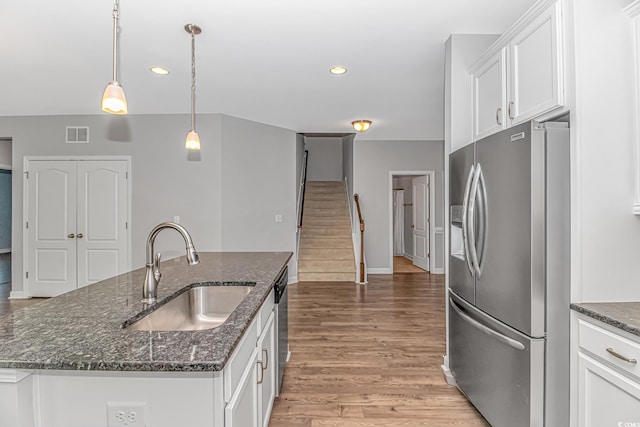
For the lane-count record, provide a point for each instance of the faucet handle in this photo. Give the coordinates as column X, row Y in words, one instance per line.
column 156, row 266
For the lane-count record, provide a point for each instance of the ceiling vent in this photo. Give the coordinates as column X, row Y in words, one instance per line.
column 77, row 134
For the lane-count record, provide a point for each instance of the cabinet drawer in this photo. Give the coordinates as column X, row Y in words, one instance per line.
column 604, row 344
column 265, row 311
column 239, row 360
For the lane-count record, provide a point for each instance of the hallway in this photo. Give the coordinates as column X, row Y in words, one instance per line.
column 369, row 356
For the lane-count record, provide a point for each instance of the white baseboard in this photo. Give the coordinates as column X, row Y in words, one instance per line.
column 448, row 376
column 18, row 295
column 384, row 270
column 409, row 257
column 292, row 279
column 438, row 271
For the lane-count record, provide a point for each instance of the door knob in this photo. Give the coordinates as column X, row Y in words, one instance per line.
column 71, row 235
column 80, row 235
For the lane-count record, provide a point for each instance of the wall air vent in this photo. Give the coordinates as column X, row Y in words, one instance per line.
column 77, row 134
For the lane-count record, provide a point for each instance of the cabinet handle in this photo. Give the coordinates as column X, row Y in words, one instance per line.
column 266, row 356
column 498, row 114
column 612, row 352
column 261, row 372
column 510, row 110
column 80, row 235
column 71, row 235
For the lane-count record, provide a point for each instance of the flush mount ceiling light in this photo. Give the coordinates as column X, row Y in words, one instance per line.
column 159, row 70
column 361, row 125
column 193, row 140
column 338, row 70
column 113, row 99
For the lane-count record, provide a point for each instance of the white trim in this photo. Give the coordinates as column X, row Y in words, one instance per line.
column 383, row 270
column 11, row 376
column 18, row 295
column 408, row 256
column 292, row 279
column 25, row 208
column 6, row 167
column 633, row 10
column 448, row 376
column 5, row 251
column 432, row 214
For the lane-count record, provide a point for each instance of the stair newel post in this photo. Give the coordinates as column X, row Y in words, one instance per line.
column 357, row 200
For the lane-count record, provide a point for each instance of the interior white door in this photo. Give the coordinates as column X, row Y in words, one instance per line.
column 101, row 222
column 421, row 222
column 77, row 223
column 51, row 227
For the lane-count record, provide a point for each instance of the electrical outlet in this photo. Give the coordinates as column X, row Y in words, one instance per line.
column 176, row 219
column 278, row 218
column 126, row 414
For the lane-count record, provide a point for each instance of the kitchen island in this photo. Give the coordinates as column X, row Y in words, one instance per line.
column 69, row 361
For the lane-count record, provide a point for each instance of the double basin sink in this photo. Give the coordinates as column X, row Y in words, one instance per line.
column 193, row 309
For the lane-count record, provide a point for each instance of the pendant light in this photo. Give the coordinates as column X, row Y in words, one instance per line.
column 113, row 99
column 193, row 140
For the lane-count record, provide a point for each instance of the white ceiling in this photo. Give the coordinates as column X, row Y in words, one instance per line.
column 266, row 61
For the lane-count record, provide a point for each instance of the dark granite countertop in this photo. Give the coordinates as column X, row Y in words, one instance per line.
column 622, row 315
column 81, row 330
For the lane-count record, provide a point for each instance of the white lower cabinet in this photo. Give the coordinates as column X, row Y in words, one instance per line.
column 267, row 362
column 242, row 409
column 608, row 381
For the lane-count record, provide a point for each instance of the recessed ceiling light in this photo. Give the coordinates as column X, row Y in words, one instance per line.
column 338, row 70
column 159, row 70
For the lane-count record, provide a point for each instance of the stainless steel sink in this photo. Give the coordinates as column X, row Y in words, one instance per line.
column 201, row 307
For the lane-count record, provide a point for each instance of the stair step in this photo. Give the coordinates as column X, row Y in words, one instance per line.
column 326, row 277
column 328, row 243
column 312, row 254
column 311, row 232
column 327, row 265
column 323, row 221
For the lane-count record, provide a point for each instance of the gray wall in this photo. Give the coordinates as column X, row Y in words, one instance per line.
column 258, row 183
column 5, row 151
column 325, row 159
column 166, row 179
column 373, row 160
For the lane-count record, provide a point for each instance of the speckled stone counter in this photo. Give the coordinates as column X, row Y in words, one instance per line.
column 622, row 315
column 82, row 330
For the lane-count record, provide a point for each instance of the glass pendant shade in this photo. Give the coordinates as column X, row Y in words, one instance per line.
column 113, row 99
column 193, row 141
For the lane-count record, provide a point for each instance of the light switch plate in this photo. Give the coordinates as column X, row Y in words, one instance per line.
column 278, row 218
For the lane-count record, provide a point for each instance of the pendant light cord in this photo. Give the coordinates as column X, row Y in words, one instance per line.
column 193, row 80
column 116, row 13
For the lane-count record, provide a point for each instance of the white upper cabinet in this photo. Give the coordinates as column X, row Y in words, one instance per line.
column 489, row 95
column 520, row 77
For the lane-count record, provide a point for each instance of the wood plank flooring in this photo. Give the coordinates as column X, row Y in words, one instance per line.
column 369, row 356
column 10, row 305
column 404, row 265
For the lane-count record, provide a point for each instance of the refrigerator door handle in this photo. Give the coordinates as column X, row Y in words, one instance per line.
column 471, row 221
column 465, row 214
column 497, row 335
column 484, row 220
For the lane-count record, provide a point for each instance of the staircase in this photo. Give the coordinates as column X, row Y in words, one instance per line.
column 326, row 249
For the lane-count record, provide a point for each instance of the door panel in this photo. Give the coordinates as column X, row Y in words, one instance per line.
column 51, row 222
column 460, row 279
column 420, row 223
column 500, row 371
column 102, row 213
column 506, row 289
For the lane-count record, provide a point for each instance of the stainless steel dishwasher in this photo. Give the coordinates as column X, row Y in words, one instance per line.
column 282, row 324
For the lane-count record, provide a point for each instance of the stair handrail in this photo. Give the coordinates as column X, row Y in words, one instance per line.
column 356, row 198
column 303, row 186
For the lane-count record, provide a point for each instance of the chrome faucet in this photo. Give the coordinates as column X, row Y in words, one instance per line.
column 152, row 275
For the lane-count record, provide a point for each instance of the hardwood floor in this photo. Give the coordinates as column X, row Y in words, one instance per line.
column 9, row 306
column 369, row 356
column 404, row 265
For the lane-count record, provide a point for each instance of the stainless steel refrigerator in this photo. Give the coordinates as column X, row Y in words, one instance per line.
column 509, row 277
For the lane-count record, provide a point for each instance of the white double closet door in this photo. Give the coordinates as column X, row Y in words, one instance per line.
column 77, row 223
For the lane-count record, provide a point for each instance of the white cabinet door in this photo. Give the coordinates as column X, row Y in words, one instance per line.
column 51, row 223
column 606, row 397
column 242, row 409
column 489, row 96
column 102, row 212
column 535, row 68
column 268, row 364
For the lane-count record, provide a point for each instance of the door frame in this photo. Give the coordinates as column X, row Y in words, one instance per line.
column 432, row 213
column 25, row 206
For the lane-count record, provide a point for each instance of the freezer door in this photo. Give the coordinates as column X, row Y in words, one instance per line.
column 500, row 370
column 460, row 274
column 510, row 286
